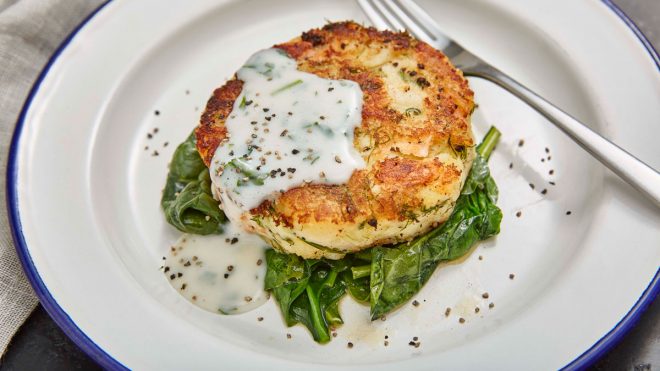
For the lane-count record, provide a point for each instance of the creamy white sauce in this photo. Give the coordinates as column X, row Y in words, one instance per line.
column 286, row 128
column 219, row 273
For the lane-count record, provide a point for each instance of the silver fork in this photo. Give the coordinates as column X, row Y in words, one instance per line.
column 407, row 15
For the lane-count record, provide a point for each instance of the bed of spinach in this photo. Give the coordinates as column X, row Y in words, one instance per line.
column 187, row 200
column 385, row 277
column 308, row 291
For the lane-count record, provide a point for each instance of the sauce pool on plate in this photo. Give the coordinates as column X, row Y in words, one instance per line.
column 220, row 273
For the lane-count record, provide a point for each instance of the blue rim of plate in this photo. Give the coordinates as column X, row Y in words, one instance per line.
column 66, row 323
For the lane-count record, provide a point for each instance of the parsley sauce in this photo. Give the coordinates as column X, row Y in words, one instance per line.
column 286, row 128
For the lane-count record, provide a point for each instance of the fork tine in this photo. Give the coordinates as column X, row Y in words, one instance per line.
column 421, row 17
column 374, row 16
column 389, row 17
column 409, row 23
column 407, row 15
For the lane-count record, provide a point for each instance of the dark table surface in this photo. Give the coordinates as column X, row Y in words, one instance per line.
column 41, row 345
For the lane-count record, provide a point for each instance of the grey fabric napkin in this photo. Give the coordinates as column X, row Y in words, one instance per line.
column 30, row 31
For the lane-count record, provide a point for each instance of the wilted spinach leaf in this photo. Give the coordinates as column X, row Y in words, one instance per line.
column 308, row 291
column 187, row 200
column 358, row 287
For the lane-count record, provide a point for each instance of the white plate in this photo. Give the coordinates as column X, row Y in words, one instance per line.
column 84, row 193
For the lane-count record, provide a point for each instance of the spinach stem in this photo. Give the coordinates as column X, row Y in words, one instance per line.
column 330, row 281
column 361, row 271
column 317, row 320
column 489, row 142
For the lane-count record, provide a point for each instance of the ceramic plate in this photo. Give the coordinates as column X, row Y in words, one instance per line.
column 84, row 191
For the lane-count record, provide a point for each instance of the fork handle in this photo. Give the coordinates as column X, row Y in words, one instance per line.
column 628, row 167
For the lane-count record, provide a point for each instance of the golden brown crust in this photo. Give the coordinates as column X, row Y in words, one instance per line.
column 415, row 119
column 211, row 130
